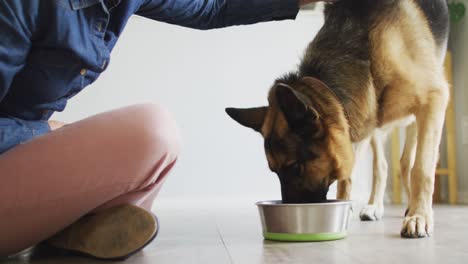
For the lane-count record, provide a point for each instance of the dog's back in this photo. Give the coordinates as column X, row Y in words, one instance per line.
column 369, row 12
column 378, row 42
column 360, row 16
column 436, row 12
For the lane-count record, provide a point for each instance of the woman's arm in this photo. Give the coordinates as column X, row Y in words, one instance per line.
column 14, row 42
column 16, row 29
column 208, row 14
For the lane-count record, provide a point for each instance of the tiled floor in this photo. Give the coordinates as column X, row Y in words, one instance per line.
column 234, row 236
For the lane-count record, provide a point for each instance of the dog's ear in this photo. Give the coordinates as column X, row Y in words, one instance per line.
column 302, row 119
column 250, row 117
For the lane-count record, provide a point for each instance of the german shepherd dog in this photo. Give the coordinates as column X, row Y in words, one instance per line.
column 373, row 64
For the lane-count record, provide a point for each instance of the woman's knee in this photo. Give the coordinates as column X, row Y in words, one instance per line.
column 154, row 131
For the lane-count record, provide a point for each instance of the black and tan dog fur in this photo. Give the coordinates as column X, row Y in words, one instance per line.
column 373, row 64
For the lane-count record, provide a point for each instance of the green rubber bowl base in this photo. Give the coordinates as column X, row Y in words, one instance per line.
column 304, row 237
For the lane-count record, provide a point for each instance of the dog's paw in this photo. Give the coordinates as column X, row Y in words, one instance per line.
column 417, row 226
column 372, row 212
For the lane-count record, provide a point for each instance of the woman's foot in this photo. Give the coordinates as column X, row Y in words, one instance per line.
column 113, row 234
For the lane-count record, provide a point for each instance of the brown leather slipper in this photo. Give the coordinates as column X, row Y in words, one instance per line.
column 113, row 234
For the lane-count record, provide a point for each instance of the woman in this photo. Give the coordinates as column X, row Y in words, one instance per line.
column 88, row 187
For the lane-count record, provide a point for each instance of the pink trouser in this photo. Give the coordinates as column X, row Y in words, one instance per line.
column 109, row 159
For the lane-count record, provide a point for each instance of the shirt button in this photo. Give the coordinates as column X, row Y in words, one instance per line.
column 83, row 72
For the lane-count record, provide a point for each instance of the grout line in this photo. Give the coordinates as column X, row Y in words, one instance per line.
column 224, row 244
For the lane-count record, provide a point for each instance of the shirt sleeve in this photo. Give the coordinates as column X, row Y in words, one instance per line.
column 15, row 43
column 209, row 14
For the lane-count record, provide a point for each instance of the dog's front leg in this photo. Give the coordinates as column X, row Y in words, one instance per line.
column 345, row 185
column 344, row 189
column 430, row 120
column 408, row 157
column 374, row 210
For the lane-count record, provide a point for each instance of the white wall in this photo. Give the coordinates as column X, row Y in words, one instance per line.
column 196, row 75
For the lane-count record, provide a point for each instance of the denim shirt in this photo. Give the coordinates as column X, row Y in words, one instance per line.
column 51, row 49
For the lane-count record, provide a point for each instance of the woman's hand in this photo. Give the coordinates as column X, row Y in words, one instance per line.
column 54, row 125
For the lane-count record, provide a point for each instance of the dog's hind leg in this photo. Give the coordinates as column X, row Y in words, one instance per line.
column 374, row 210
column 430, row 120
column 408, row 157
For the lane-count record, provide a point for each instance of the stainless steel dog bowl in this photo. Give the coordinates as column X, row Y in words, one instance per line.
column 305, row 222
